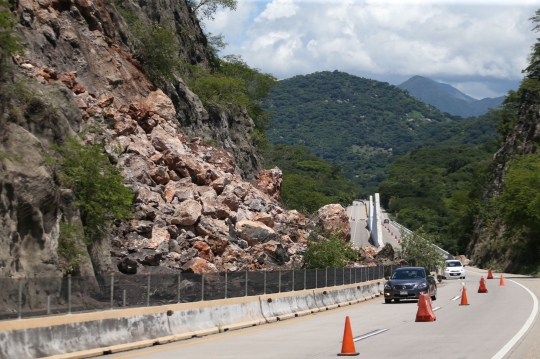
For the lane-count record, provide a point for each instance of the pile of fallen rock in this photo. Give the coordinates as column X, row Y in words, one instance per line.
column 193, row 212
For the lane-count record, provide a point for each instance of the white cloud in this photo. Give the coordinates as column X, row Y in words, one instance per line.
column 278, row 9
column 231, row 24
column 385, row 38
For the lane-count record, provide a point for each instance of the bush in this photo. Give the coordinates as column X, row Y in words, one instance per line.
column 156, row 47
column 67, row 246
column 98, row 186
column 330, row 252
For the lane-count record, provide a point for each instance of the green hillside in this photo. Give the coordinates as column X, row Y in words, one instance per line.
column 438, row 190
column 362, row 124
column 447, row 98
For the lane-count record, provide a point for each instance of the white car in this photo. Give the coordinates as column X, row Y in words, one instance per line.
column 454, row 269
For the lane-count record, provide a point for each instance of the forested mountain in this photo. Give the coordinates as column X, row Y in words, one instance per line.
column 438, row 190
column 447, row 98
column 363, row 124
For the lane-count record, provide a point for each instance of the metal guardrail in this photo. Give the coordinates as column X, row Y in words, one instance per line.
column 408, row 231
column 41, row 296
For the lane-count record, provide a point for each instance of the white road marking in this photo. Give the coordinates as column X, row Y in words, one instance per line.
column 370, row 334
column 456, row 297
column 501, row 353
column 436, row 308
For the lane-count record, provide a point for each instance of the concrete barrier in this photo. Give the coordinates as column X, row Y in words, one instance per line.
column 281, row 306
column 85, row 335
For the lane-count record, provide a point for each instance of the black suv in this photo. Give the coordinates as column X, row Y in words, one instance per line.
column 409, row 283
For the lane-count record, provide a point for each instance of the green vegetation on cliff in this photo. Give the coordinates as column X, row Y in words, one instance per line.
column 97, row 184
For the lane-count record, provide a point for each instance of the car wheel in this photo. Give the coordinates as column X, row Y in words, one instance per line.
column 387, row 301
column 463, row 277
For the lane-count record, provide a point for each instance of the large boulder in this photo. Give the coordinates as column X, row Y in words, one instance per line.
column 334, row 220
column 204, row 250
column 161, row 104
column 128, row 266
column 269, row 182
column 212, row 207
column 187, row 213
column 255, row 232
column 213, row 227
column 199, row 266
column 386, row 252
column 182, row 190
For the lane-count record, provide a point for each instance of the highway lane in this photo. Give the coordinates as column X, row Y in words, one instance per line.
column 391, row 233
column 477, row 331
column 358, row 220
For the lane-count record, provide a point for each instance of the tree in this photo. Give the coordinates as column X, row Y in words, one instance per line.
column 419, row 251
column 331, row 252
column 519, row 201
column 10, row 43
column 97, row 185
column 156, row 47
column 207, row 8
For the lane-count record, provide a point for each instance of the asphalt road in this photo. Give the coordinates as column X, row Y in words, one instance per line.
column 391, row 233
column 481, row 330
column 357, row 219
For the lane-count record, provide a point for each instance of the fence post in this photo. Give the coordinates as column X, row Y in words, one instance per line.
column 225, row 284
column 264, row 285
column 316, row 279
column 48, row 304
column 179, row 281
column 304, row 278
column 335, row 276
column 69, row 293
column 355, row 270
column 112, row 291
column 19, row 309
column 148, row 291
column 293, row 280
column 343, row 277
column 124, row 299
column 350, row 275
column 326, row 277
column 202, row 287
column 279, row 281
column 246, row 282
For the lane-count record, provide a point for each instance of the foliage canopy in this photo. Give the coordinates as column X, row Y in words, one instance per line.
column 331, row 252
column 97, row 184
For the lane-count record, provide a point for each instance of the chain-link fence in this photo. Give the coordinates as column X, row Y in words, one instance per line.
column 29, row 297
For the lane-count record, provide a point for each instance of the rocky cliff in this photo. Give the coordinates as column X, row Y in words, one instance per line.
column 195, row 209
column 494, row 241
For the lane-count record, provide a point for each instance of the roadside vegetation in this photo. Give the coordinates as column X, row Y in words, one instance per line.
column 328, row 252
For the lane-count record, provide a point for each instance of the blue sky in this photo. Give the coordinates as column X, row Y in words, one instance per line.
column 478, row 46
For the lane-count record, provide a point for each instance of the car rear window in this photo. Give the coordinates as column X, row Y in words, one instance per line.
column 409, row 274
column 453, row 264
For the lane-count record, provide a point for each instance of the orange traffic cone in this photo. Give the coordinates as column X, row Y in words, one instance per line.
column 501, row 283
column 490, row 274
column 424, row 313
column 464, row 300
column 482, row 288
column 347, row 348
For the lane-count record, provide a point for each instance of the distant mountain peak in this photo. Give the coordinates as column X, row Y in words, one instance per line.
column 447, row 98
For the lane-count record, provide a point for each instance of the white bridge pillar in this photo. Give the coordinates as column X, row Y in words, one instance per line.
column 374, row 220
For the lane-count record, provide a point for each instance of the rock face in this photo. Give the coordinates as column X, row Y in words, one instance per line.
column 492, row 241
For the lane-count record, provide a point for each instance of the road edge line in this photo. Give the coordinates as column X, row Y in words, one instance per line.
column 524, row 329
